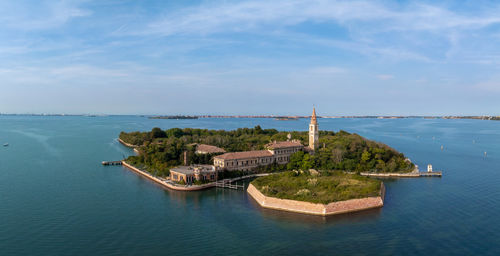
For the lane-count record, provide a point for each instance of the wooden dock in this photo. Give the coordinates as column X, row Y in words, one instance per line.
column 226, row 183
column 111, row 163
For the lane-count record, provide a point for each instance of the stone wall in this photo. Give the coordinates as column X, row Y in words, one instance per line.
column 351, row 205
column 126, row 144
column 167, row 183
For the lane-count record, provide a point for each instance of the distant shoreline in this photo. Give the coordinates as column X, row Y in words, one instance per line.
column 276, row 117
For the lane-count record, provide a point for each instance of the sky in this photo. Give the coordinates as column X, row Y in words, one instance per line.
column 250, row 57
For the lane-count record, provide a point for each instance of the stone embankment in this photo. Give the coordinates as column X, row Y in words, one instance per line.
column 352, row 205
column 167, row 183
column 136, row 151
column 172, row 185
column 127, row 144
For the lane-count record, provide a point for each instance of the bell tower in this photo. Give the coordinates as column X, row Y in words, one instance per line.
column 313, row 131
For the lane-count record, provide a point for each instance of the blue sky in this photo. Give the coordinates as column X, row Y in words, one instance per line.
column 250, row 57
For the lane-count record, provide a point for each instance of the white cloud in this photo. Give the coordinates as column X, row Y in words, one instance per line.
column 327, row 70
column 39, row 15
column 245, row 16
column 397, row 31
column 385, row 77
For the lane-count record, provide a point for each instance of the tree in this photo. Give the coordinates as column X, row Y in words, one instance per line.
column 295, row 160
column 342, row 151
column 307, row 162
column 258, row 130
column 158, row 133
column 174, row 132
column 337, row 155
column 365, row 157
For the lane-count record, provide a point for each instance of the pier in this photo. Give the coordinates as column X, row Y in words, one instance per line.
column 430, row 174
column 111, row 163
column 402, row 175
column 226, row 183
column 414, row 174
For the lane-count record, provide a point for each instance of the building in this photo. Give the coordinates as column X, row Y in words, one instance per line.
column 276, row 152
column 243, row 161
column 208, row 149
column 190, row 174
column 282, row 150
column 313, row 132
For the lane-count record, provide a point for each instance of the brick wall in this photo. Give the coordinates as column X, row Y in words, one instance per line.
column 351, row 205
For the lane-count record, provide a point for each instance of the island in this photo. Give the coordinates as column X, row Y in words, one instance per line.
column 315, row 169
column 317, row 193
column 286, row 118
column 173, row 117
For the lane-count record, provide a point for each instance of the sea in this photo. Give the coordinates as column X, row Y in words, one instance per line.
column 57, row 199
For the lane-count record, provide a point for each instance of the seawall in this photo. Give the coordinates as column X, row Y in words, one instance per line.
column 171, row 185
column 352, row 205
column 126, row 144
column 166, row 183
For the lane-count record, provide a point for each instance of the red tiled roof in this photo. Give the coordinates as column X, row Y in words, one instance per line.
column 283, row 144
column 209, row 148
column 245, row 154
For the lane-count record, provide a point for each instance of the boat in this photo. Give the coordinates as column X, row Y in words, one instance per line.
column 5, row 144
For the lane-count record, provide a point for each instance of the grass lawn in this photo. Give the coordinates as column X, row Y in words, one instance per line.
column 324, row 188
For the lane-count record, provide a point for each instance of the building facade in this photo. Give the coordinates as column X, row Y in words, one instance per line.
column 190, row 174
column 276, row 152
column 282, row 150
column 244, row 161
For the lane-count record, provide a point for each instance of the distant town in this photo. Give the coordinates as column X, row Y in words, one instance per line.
column 277, row 117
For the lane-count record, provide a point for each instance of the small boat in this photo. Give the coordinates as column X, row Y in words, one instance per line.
column 6, row 144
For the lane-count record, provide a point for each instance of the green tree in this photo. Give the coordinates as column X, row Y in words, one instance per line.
column 307, row 162
column 258, row 130
column 174, row 132
column 158, row 133
column 365, row 157
column 295, row 160
column 342, row 150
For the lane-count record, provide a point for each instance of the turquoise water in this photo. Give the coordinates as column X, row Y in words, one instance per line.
column 56, row 198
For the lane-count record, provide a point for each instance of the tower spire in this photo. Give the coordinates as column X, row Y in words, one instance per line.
column 313, row 117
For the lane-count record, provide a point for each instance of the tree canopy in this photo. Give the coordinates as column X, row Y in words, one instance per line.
column 161, row 150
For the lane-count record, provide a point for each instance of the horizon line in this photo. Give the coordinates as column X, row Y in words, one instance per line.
column 237, row 115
